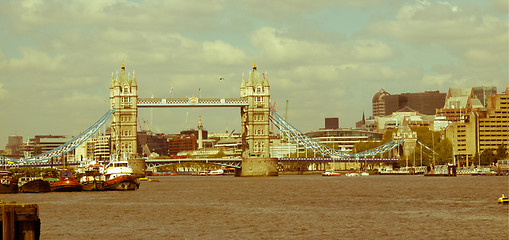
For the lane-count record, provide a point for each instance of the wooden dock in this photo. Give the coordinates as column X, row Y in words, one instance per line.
column 20, row 221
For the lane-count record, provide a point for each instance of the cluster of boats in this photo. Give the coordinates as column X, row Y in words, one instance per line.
column 117, row 175
column 218, row 172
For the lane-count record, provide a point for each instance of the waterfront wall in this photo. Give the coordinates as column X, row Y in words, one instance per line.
column 259, row 167
column 138, row 166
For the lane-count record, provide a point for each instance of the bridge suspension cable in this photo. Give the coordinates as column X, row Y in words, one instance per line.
column 433, row 151
column 310, row 144
column 71, row 144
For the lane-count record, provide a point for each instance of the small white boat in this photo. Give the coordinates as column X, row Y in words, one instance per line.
column 352, row 174
column 217, row 172
column 331, row 174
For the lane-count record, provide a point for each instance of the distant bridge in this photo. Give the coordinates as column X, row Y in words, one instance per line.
column 256, row 115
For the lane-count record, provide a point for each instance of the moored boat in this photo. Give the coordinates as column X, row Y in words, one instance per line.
column 217, row 172
column 93, row 178
column 331, row 174
column 352, row 174
column 66, row 183
column 119, row 176
column 33, row 185
column 8, row 183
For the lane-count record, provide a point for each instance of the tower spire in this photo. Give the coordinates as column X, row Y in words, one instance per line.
column 123, row 67
column 254, row 65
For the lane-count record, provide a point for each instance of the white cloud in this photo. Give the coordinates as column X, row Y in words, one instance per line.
column 3, row 91
column 33, row 61
column 272, row 43
column 370, row 50
column 219, row 52
column 476, row 41
column 436, row 80
column 275, row 45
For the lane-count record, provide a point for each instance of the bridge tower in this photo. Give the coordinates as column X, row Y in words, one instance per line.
column 410, row 140
column 256, row 160
column 123, row 98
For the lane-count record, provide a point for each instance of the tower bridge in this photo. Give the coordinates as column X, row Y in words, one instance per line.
column 254, row 104
column 255, row 113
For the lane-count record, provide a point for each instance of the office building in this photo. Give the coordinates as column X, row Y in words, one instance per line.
column 14, row 146
column 482, row 93
column 427, row 102
column 331, row 123
column 458, row 104
column 480, row 129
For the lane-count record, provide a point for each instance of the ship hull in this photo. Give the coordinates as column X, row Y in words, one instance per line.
column 122, row 183
column 66, row 185
column 35, row 186
column 8, row 188
column 93, row 186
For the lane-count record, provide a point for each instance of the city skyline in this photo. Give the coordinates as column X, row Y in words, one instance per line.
column 327, row 59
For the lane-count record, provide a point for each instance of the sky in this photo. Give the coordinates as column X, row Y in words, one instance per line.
column 327, row 58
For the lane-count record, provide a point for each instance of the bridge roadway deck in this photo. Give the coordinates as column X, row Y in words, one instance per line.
column 232, row 162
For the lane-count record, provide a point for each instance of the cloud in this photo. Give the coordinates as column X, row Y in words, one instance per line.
column 476, row 41
column 272, row 43
column 277, row 46
column 436, row 80
column 34, row 61
column 3, row 91
column 428, row 22
column 219, row 52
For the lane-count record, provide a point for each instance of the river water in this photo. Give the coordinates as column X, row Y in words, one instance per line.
column 284, row 207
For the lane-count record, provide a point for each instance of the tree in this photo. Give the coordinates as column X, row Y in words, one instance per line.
column 388, row 135
column 475, row 159
column 444, row 151
column 430, row 139
column 219, row 154
column 501, row 152
column 487, row 157
column 37, row 150
column 363, row 146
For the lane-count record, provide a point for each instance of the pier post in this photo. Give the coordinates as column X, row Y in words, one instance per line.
column 8, row 222
column 20, row 221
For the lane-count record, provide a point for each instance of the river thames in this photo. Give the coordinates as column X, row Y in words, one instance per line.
column 284, row 207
